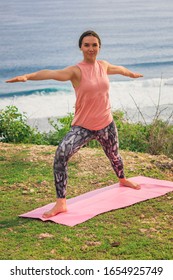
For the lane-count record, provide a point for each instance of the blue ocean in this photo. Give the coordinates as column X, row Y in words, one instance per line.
column 43, row 34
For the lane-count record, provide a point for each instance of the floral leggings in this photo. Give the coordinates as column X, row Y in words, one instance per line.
column 74, row 140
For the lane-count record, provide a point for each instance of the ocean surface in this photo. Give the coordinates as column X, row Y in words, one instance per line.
column 40, row 34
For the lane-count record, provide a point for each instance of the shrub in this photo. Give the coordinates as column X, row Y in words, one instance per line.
column 160, row 139
column 132, row 136
column 14, row 127
column 154, row 138
column 61, row 127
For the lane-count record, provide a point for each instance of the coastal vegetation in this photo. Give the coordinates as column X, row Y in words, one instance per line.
column 153, row 138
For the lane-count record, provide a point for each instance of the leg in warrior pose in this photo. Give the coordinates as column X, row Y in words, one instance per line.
column 72, row 142
column 108, row 138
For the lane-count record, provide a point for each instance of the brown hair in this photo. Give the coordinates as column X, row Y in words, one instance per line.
column 89, row 33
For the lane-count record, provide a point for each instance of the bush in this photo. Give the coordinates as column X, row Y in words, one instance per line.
column 61, row 127
column 14, row 127
column 132, row 136
column 160, row 139
column 154, row 138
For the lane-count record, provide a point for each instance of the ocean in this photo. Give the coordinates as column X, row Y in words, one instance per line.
column 42, row 34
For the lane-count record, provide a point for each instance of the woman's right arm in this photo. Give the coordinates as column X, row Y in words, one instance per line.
column 65, row 74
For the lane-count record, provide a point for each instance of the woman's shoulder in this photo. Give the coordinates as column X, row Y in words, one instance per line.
column 104, row 64
column 73, row 69
column 76, row 75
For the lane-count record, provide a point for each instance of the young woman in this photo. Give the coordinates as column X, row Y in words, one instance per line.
column 92, row 119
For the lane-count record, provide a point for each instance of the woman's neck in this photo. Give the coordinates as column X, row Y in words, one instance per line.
column 89, row 61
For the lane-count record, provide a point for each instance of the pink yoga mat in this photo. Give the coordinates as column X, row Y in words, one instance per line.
column 88, row 205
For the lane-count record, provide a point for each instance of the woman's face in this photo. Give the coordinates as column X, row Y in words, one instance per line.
column 90, row 48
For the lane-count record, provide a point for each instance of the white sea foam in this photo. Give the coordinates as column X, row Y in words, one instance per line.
column 142, row 93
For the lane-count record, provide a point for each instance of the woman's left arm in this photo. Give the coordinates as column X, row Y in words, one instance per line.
column 121, row 70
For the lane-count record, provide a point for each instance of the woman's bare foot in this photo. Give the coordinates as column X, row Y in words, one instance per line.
column 59, row 207
column 127, row 183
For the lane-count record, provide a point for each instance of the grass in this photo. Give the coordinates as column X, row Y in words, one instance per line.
column 141, row 231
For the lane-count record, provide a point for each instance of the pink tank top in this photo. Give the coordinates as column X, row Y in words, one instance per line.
column 92, row 108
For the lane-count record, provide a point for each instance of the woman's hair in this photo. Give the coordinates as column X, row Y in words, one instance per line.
column 89, row 33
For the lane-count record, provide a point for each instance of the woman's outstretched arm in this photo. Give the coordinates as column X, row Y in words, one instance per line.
column 121, row 70
column 59, row 75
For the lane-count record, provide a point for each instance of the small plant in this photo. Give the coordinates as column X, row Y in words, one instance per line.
column 160, row 138
column 61, row 127
column 154, row 138
column 14, row 127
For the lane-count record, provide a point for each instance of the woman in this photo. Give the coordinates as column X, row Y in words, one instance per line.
column 93, row 118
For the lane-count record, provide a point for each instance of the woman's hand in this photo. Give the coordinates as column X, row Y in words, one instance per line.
column 17, row 79
column 136, row 75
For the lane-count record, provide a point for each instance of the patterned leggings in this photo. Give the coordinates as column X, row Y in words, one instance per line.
column 74, row 140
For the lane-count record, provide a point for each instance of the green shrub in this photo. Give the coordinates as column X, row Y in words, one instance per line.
column 160, row 138
column 132, row 136
column 14, row 127
column 61, row 127
column 154, row 138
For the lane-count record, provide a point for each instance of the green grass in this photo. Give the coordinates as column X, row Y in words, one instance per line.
column 141, row 231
